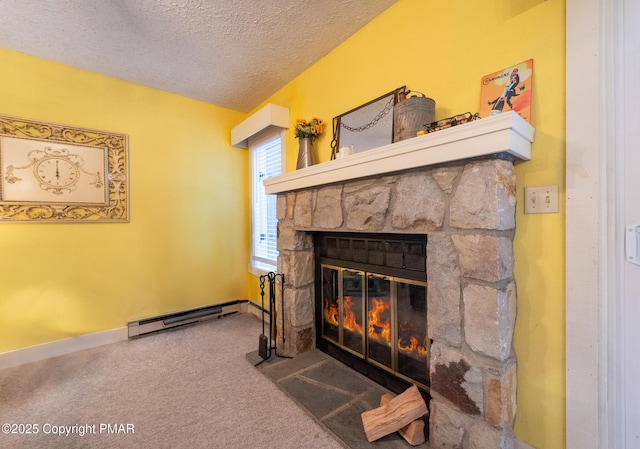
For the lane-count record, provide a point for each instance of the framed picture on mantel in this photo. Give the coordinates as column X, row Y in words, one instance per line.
column 508, row 89
column 367, row 126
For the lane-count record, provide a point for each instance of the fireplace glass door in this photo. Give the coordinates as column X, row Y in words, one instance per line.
column 379, row 319
column 397, row 326
column 343, row 307
column 411, row 306
column 331, row 303
column 352, row 317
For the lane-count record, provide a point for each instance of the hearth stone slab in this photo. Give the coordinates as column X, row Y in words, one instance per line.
column 341, row 375
column 318, row 400
column 333, row 394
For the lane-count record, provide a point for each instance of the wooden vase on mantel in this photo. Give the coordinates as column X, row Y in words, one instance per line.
column 305, row 153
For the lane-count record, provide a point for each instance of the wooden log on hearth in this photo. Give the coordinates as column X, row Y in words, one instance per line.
column 394, row 415
column 413, row 433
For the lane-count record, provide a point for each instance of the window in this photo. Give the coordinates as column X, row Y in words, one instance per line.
column 266, row 162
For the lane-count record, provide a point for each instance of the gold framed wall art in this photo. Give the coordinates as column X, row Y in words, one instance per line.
column 60, row 173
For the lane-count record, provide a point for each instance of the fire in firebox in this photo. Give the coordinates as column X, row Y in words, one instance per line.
column 382, row 319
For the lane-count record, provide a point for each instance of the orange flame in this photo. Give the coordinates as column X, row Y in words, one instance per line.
column 379, row 326
column 331, row 313
column 408, row 340
column 350, row 321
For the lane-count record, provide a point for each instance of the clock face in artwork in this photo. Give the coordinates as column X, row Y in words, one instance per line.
column 56, row 173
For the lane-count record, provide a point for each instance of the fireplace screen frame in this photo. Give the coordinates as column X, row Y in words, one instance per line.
column 331, row 339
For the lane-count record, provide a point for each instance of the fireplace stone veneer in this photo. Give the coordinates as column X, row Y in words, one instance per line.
column 467, row 209
column 457, row 186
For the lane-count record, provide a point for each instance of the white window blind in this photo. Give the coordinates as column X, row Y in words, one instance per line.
column 266, row 161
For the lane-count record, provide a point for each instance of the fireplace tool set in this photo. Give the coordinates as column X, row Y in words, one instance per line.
column 267, row 346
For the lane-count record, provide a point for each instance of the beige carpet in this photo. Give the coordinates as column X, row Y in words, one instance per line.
column 187, row 388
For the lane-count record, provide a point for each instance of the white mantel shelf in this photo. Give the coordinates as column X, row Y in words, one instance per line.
column 503, row 133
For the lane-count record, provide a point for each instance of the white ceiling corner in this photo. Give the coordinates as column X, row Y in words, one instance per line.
column 231, row 53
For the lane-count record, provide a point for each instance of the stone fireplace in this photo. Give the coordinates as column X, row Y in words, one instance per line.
column 458, row 189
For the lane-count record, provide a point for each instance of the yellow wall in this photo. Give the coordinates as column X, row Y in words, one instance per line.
column 443, row 48
column 188, row 201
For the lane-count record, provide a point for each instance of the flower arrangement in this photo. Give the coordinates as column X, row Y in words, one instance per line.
column 311, row 129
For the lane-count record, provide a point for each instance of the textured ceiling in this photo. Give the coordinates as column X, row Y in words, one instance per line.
column 232, row 53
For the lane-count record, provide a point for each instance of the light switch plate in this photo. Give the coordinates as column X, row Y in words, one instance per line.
column 541, row 200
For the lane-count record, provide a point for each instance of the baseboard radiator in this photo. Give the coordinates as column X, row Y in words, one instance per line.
column 173, row 320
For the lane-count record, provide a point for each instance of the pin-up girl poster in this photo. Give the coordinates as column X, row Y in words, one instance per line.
column 508, row 89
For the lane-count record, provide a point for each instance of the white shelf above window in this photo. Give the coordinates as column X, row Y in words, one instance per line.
column 503, row 133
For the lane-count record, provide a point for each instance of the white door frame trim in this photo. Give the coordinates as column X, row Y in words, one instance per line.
column 590, row 224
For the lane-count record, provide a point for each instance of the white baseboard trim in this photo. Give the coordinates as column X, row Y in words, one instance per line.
column 47, row 350
column 44, row 351
column 256, row 309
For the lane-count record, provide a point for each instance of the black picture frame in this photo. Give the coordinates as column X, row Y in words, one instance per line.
column 367, row 126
